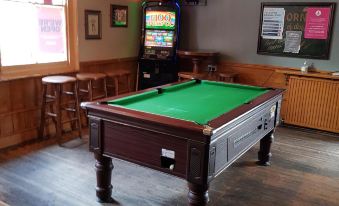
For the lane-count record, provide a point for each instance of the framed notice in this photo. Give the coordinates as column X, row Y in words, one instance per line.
column 296, row 29
column 194, row 2
column 92, row 24
column 119, row 16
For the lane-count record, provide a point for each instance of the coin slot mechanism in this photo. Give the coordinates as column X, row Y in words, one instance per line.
column 167, row 159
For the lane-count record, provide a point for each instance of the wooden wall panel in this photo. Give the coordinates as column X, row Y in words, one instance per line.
column 259, row 75
column 20, row 101
column 5, row 100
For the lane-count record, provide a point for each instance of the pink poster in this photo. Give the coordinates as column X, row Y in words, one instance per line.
column 51, row 30
column 317, row 23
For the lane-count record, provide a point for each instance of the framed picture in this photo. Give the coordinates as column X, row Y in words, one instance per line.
column 92, row 24
column 119, row 16
column 296, row 29
column 194, row 2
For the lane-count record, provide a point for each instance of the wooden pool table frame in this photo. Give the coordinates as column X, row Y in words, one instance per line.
column 138, row 137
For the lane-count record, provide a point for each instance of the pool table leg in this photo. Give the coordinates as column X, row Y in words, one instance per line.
column 264, row 153
column 197, row 194
column 103, row 168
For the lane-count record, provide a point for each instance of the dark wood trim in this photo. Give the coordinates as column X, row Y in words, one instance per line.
column 229, row 116
column 107, row 61
column 266, row 67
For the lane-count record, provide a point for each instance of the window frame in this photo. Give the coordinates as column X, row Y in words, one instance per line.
column 42, row 69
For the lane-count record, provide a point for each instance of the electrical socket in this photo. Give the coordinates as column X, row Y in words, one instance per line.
column 212, row 68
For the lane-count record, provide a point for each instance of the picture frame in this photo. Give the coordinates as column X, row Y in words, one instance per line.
column 194, row 2
column 296, row 29
column 92, row 24
column 119, row 16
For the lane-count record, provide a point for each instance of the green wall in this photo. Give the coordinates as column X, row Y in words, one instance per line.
column 231, row 27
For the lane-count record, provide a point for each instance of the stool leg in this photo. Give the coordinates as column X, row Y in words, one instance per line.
column 77, row 109
column 58, row 92
column 129, row 82
column 116, row 85
column 105, row 87
column 90, row 90
column 43, row 108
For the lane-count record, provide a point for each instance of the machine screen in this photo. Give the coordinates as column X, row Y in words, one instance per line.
column 159, row 38
column 160, row 20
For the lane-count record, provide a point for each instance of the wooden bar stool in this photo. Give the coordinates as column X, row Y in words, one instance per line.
column 115, row 76
column 90, row 78
column 56, row 107
column 227, row 77
column 189, row 75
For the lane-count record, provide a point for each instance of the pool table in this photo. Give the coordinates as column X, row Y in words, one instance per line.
column 193, row 130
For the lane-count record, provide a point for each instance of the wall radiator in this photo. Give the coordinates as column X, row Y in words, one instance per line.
column 313, row 102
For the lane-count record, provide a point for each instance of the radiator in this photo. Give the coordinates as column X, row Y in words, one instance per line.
column 313, row 103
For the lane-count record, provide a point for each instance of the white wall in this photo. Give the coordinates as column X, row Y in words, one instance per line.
column 116, row 42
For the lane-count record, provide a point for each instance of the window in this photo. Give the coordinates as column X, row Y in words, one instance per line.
column 33, row 32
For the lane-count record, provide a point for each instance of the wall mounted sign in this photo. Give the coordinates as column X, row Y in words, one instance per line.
column 92, row 24
column 119, row 16
column 296, row 29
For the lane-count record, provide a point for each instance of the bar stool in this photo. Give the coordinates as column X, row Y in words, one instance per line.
column 115, row 75
column 189, row 75
column 56, row 83
column 227, row 77
column 90, row 78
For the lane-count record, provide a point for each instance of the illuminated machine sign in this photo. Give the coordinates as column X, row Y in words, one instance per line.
column 159, row 38
column 160, row 20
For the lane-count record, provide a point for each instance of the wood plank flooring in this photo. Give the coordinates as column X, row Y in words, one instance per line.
column 304, row 171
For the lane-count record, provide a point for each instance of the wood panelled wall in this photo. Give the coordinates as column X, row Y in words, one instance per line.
column 308, row 103
column 20, row 102
column 257, row 75
column 20, row 99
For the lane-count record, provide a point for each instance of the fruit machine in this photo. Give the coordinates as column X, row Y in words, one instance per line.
column 157, row 63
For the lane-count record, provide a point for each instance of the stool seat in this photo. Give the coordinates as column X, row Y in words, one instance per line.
column 115, row 75
column 58, row 79
column 227, row 77
column 190, row 75
column 90, row 76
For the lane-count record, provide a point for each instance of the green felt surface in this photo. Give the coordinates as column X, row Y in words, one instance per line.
column 191, row 101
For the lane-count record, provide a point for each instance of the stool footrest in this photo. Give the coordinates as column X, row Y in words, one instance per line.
column 99, row 96
column 83, row 90
column 96, row 87
column 68, row 93
column 50, row 114
column 69, row 120
column 48, row 101
column 50, row 96
column 69, row 109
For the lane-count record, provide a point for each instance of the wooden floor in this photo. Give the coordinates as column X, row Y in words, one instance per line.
column 304, row 171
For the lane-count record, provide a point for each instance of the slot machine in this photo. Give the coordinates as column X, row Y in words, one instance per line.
column 157, row 63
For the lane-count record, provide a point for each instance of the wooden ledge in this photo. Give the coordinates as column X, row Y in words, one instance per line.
column 322, row 75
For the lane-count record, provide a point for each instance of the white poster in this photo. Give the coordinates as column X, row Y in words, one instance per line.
column 292, row 42
column 273, row 23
